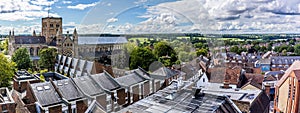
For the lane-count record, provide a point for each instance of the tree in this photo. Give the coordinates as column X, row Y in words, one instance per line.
column 202, row 51
column 162, row 49
column 4, row 46
column 47, row 58
column 22, row 59
column 7, row 69
column 234, row 49
column 141, row 56
column 297, row 49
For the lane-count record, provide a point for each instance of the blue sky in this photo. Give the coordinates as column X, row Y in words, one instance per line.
column 154, row 16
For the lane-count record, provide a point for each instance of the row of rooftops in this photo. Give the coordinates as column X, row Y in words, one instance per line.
column 81, row 87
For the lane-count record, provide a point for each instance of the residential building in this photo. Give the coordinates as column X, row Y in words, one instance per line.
column 21, row 79
column 287, row 90
column 282, row 62
column 137, row 87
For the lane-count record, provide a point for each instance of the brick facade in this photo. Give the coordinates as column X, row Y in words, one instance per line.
column 81, row 106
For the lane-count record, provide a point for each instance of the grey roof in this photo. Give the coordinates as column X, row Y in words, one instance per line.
column 106, row 81
column 189, row 70
column 24, row 75
column 264, row 61
column 165, row 72
column 88, row 86
column 287, row 60
column 130, row 79
column 95, row 107
column 30, row 40
column 169, row 101
column 101, row 40
column 68, row 89
column 45, row 94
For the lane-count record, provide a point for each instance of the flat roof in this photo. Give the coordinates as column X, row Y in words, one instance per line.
column 233, row 93
column 170, row 100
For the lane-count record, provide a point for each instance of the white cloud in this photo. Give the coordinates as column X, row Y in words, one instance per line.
column 220, row 16
column 43, row 2
column 108, row 4
column 66, row 2
column 12, row 10
column 82, row 6
column 140, row 1
column 111, row 20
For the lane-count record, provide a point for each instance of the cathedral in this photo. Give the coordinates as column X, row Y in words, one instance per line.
column 71, row 45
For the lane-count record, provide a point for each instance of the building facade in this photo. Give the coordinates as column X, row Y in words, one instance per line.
column 287, row 91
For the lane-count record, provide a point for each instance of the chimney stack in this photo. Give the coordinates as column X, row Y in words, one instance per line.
column 226, row 84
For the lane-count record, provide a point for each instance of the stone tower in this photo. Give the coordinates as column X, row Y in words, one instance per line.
column 50, row 27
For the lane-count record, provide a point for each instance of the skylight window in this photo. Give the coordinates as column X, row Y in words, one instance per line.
column 46, row 87
column 39, row 88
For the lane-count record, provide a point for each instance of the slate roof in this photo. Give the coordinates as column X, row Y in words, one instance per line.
column 190, row 70
column 284, row 60
column 262, row 103
column 101, row 40
column 264, row 61
column 106, row 81
column 165, row 72
column 217, row 74
column 168, row 100
column 294, row 66
column 68, row 89
column 130, row 79
column 95, row 107
column 45, row 94
column 258, row 78
column 87, row 85
column 30, row 40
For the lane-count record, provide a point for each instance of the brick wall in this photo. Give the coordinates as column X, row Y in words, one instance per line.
column 55, row 109
column 146, row 88
column 135, row 91
column 121, row 94
column 81, row 106
column 11, row 108
column 101, row 99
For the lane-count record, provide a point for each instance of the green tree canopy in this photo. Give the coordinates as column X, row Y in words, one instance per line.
column 202, row 51
column 47, row 58
column 7, row 69
column 297, row 49
column 141, row 56
column 22, row 59
column 162, row 49
column 234, row 49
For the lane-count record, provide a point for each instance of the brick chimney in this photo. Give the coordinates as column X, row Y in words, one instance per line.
column 226, row 84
